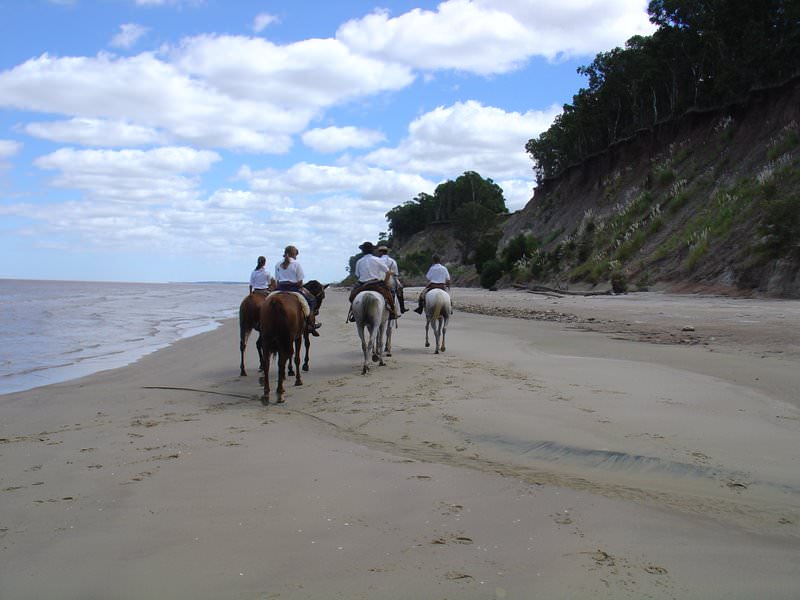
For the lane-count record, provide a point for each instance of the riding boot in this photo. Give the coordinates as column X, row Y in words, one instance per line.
column 401, row 300
column 312, row 325
column 420, row 304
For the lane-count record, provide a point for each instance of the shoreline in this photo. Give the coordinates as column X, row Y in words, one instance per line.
column 533, row 457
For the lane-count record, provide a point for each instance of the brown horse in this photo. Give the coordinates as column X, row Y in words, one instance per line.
column 249, row 315
column 282, row 326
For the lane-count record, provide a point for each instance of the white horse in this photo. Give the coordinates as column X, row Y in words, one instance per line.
column 437, row 311
column 369, row 310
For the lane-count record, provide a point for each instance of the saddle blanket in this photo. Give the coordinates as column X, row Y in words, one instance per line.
column 303, row 302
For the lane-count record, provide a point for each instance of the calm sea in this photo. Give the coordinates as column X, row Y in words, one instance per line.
column 52, row 331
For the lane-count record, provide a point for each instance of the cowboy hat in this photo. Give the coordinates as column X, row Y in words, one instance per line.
column 383, row 248
column 366, row 247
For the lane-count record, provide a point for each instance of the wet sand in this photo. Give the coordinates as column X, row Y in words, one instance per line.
column 642, row 446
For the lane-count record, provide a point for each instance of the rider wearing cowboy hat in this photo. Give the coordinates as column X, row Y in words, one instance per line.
column 372, row 274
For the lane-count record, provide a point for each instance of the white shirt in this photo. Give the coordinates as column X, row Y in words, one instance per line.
column 369, row 267
column 293, row 273
column 438, row 273
column 390, row 262
column 259, row 279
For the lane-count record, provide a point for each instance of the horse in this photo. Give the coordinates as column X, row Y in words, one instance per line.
column 393, row 285
column 437, row 311
column 282, row 326
column 369, row 310
column 249, row 315
column 318, row 291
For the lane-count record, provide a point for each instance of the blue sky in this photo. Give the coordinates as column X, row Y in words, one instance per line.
column 177, row 140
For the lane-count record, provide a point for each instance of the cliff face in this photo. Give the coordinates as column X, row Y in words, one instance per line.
column 709, row 202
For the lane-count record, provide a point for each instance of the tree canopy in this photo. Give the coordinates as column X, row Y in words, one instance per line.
column 705, row 53
column 443, row 206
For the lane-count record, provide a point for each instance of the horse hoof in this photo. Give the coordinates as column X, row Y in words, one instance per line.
column 265, row 400
column 280, row 401
column 298, row 382
column 381, row 364
column 305, row 368
column 374, row 358
column 427, row 344
column 387, row 354
column 260, row 381
column 364, row 371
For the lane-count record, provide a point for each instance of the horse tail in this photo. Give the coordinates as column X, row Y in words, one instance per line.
column 437, row 309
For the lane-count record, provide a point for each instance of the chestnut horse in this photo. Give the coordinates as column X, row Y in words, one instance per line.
column 282, row 325
column 250, row 313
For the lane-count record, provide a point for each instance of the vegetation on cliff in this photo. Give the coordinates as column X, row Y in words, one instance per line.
column 705, row 54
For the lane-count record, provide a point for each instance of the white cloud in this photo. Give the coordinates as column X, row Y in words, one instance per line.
column 129, row 34
column 94, row 132
column 467, row 136
column 9, row 148
column 304, row 76
column 335, row 139
column 262, row 20
column 156, row 176
column 305, row 180
column 228, row 92
column 487, row 37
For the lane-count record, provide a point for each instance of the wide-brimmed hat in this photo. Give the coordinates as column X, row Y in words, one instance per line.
column 383, row 248
column 366, row 247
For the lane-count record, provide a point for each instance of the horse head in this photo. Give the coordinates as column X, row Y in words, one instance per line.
column 317, row 290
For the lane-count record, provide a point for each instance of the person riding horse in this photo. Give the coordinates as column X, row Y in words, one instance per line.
column 383, row 254
column 289, row 275
column 372, row 274
column 260, row 279
column 438, row 277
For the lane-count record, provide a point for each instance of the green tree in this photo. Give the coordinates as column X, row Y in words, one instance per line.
column 472, row 222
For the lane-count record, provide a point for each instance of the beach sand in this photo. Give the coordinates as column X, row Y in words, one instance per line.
column 640, row 446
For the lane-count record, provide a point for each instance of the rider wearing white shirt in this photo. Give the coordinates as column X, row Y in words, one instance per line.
column 383, row 254
column 260, row 279
column 289, row 275
column 373, row 275
column 438, row 277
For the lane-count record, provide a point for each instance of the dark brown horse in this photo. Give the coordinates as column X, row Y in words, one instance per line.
column 249, row 315
column 282, row 325
column 318, row 291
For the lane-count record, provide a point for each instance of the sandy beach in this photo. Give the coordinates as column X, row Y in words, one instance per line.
column 638, row 446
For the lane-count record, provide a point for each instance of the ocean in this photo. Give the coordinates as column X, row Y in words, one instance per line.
column 52, row 331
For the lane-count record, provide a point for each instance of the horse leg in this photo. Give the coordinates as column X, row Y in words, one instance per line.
column 307, row 342
column 427, row 325
column 444, row 331
column 265, row 360
column 260, row 354
column 282, row 358
column 243, row 335
column 365, row 366
column 379, row 343
column 374, row 342
column 297, row 347
column 437, row 332
column 387, row 350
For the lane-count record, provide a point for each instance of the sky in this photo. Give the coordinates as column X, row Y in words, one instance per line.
column 178, row 140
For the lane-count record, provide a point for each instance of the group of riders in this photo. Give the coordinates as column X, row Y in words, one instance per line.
column 375, row 270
